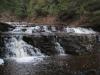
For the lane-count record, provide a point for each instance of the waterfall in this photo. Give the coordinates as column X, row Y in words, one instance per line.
column 18, row 48
column 53, row 29
column 45, row 28
column 79, row 30
column 50, row 29
column 59, row 49
column 30, row 30
column 32, row 42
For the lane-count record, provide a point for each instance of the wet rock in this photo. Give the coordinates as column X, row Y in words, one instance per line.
column 91, row 72
column 5, row 27
column 79, row 44
column 44, row 43
column 72, row 44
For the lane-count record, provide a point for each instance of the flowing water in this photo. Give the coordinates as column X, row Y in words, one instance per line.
column 59, row 48
column 49, row 50
column 16, row 47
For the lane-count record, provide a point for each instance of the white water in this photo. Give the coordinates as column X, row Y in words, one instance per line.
column 59, row 49
column 45, row 28
column 53, row 29
column 31, row 30
column 23, row 52
column 19, row 48
column 1, row 61
column 35, row 59
column 79, row 30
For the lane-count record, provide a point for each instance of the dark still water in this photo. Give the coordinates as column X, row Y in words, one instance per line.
column 53, row 65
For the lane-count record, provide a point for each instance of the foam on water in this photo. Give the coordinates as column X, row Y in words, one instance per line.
column 59, row 49
column 45, row 28
column 31, row 30
column 23, row 27
column 79, row 30
column 1, row 61
column 18, row 48
column 53, row 29
column 35, row 60
column 21, row 51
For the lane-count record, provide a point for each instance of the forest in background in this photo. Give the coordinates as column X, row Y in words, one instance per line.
column 84, row 11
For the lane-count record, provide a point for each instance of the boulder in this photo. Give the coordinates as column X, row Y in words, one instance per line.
column 5, row 27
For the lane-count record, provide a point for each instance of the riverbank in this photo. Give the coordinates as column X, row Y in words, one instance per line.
column 52, row 20
column 49, row 20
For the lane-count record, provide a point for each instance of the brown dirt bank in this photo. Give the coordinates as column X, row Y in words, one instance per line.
column 50, row 20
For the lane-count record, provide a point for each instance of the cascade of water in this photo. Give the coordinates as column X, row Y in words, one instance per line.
column 30, row 30
column 45, row 28
column 59, row 48
column 17, row 29
column 18, row 48
column 79, row 30
column 53, row 29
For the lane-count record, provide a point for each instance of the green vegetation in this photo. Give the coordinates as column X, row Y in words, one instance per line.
column 62, row 9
